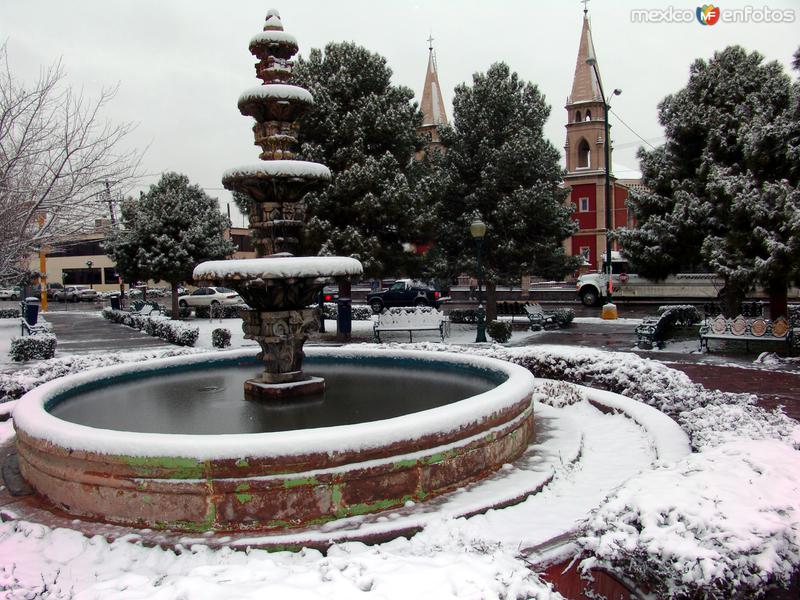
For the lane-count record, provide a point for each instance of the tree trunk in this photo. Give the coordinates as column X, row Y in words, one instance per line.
column 175, row 307
column 778, row 302
column 730, row 300
column 491, row 301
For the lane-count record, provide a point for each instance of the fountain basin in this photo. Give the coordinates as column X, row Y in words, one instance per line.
column 279, row 479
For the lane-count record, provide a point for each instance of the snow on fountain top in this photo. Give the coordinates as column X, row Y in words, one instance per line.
column 278, row 91
column 280, row 168
column 283, row 267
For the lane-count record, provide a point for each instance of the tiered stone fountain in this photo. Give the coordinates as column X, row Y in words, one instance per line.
column 172, row 444
column 277, row 286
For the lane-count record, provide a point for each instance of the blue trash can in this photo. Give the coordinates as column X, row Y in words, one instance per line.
column 32, row 310
column 344, row 318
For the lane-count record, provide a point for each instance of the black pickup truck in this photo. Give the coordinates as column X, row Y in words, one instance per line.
column 405, row 292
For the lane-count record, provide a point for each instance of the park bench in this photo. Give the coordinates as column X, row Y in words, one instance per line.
column 652, row 329
column 409, row 319
column 541, row 319
column 146, row 309
column 741, row 329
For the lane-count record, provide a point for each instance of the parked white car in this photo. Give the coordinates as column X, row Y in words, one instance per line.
column 74, row 293
column 13, row 293
column 210, row 296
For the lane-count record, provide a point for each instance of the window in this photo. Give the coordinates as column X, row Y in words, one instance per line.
column 578, row 117
column 583, row 204
column 585, row 252
column 81, row 276
column 91, row 248
column 244, row 243
column 588, row 115
column 584, row 154
column 110, row 275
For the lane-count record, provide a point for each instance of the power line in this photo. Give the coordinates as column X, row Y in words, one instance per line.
column 631, row 129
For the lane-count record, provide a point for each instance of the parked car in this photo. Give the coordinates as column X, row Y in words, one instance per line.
column 52, row 288
column 75, row 293
column 210, row 296
column 405, row 292
column 11, row 293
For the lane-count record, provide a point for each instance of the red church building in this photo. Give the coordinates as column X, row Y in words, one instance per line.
column 585, row 161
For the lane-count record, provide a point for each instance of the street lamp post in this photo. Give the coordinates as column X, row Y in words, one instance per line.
column 592, row 61
column 89, row 264
column 478, row 230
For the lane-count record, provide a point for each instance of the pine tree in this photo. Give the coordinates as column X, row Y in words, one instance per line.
column 364, row 129
column 499, row 167
column 167, row 232
column 723, row 189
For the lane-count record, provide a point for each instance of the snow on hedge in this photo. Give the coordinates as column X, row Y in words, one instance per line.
column 722, row 523
column 285, row 267
column 280, row 168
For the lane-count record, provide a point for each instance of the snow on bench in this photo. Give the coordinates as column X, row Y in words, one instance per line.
column 422, row 318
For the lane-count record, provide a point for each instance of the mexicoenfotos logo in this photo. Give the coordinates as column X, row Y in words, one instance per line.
column 708, row 14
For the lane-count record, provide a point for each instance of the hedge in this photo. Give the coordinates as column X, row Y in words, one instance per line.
column 40, row 346
column 174, row 332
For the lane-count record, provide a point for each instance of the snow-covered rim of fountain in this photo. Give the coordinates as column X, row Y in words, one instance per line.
column 30, row 414
column 280, row 267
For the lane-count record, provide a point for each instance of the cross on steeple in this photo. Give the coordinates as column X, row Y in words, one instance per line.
column 430, row 41
column 585, row 8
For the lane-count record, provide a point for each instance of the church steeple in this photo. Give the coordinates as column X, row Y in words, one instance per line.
column 432, row 105
column 584, row 83
column 584, row 148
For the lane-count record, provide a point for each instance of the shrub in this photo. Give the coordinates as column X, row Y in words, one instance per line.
column 499, row 331
column 563, row 316
column 175, row 332
column 33, row 347
column 683, row 315
column 361, row 312
column 223, row 311
column 463, row 315
column 9, row 313
column 221, row 337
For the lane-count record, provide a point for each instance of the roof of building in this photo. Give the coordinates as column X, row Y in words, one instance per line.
column 585, row 86
column 432, row 106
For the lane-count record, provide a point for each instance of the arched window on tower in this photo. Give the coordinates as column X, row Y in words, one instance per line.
column 578, row 117
column 584, row 152
column 588, row 115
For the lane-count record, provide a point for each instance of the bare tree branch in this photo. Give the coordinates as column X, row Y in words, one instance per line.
column 56, row 153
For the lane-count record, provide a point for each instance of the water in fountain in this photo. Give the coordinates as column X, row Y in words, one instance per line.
column 277, row 286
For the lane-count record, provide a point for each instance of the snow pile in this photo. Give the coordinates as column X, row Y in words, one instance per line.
column 14, row 385
column 60, row 563
column 723, row 523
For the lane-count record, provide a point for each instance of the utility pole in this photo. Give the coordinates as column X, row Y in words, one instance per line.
column 110, row 204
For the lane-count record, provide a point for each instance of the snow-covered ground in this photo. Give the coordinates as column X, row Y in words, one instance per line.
column 727, row 515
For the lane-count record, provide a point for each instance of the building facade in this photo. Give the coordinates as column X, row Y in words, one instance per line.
column 83, row 261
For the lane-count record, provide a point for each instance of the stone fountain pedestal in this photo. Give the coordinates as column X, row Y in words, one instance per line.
column 281, row 335
column 280, row 291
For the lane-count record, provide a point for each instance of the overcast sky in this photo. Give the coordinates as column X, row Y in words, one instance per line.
column 181, row 64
